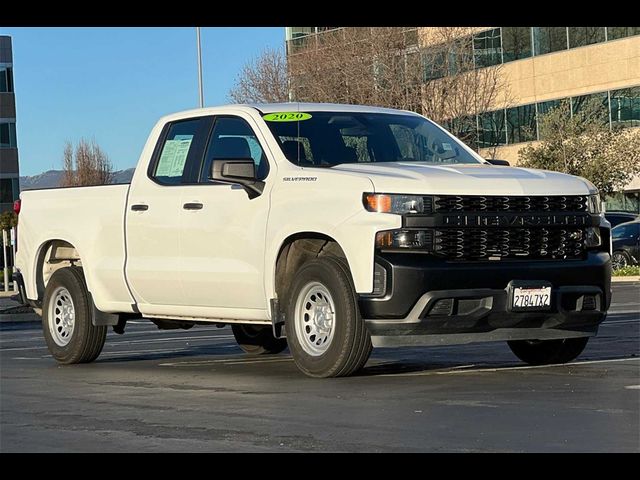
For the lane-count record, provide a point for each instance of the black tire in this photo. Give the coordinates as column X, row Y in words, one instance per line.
column 86, row 341
column 350, row 345
column 545, row 352
column 620, row 259
column 258, row 339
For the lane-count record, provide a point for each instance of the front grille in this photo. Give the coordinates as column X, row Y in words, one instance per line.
column 500, row 243
column 514, row 204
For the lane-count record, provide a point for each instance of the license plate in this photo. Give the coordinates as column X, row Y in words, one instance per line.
column 531, row 298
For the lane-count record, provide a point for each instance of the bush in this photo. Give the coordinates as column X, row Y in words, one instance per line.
column 7, row 220
column 628, row 271
column 582, row 144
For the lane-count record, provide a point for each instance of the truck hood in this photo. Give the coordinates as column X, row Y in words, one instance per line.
column 469, row 179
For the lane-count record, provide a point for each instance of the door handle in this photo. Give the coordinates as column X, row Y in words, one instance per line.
column 193, row 206
column 140, row 207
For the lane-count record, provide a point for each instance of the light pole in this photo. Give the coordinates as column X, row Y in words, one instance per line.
column 201, row 94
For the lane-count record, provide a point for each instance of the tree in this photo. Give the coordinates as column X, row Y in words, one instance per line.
column 264, row 79
column 86, row 164
column 378, row 66
column 385, row 66
column 8, row 219
column 457, row 88
column 583, row 144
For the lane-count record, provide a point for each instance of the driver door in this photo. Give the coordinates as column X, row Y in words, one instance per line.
column 222, row 234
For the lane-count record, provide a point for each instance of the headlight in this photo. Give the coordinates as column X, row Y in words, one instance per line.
column 594, row 204
column 592, row 237
column 398, row 204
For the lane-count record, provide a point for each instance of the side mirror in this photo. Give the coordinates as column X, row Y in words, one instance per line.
column 241, row 171
column 493, row 161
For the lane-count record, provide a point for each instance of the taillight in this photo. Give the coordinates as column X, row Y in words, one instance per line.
column 16, row 209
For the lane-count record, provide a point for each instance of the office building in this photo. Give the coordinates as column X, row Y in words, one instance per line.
column 9, row 171
column 540, row 67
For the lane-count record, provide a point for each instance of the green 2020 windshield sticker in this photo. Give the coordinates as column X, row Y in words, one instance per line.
column 286, row 117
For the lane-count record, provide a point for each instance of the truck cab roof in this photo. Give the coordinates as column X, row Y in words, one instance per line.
column 284, row 107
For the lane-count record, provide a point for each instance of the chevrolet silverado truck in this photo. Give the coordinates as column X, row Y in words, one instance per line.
column 330, row 229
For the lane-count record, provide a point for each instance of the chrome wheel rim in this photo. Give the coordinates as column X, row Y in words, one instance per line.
column 315, row 318
column 618, row 261
column 62, row 316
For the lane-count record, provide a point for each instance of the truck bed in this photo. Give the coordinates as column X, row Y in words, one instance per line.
column 89, row 218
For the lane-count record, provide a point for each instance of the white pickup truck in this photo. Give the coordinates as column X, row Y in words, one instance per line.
column 328, row 228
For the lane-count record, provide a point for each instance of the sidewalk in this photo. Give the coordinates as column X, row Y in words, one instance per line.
column 11, row 310
column 633, row 278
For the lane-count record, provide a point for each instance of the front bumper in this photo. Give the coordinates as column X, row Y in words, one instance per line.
column 431, row 301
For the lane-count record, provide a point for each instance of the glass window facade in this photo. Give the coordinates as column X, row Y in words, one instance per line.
column 581, row 36
column 545, row 107
column 506, row 44
column 6, row 79
column 8, row 135
column 6, row 190
column 487, row 48
column 521, row 123
column 625, row 107
column 411, row 37
column 491, row 131
column 434, row 61
column 516, row 43
column 549, row 39
column 601, row 99
column 614, row 33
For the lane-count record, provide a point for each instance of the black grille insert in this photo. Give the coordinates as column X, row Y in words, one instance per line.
column 515, row 204
column 499, row 243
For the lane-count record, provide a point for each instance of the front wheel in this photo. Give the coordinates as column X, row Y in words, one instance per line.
column 545, row 352
column 66, row 319
column 257, row 339
column 326, row 334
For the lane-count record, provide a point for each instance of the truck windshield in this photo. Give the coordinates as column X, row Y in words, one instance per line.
column 326, row 139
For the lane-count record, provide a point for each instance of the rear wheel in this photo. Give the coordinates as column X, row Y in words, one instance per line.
column 66, row 319
column 327, row 336
column 258, row 339
column 544, row 352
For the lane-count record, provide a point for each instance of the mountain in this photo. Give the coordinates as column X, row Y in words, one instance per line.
column 52, row 178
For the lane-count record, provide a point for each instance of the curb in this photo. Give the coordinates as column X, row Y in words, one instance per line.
column 634, row 278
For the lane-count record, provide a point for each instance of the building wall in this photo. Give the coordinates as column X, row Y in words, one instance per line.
column 594, row 68
column 608, row 65
column 9, row 168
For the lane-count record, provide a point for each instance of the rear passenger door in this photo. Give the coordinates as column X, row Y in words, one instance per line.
column 154, row 212
column 222, row 239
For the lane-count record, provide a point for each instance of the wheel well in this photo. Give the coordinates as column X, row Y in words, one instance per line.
column 54, row 254
column 300, row 248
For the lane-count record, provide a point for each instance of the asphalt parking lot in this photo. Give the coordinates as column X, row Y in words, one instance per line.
column 170, row 391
